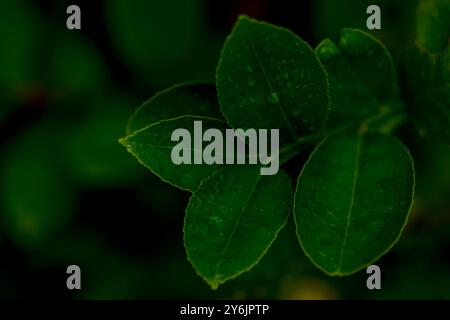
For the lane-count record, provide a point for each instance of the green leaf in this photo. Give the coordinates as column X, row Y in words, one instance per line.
column 37, row 202
column 89, row 144
column 163, row 41
column 397, row 19
column 427, row 84
column 232, row 219
column 22, row 32
column 352, row 200
column 361, row 74
column 270, row 78
column 76, row 67
column 445, row 60
column 433, row 24
column 177, row 101
column 151, row 127
column 152, row 146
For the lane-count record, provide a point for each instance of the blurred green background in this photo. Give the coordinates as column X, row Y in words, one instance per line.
column 70, row 194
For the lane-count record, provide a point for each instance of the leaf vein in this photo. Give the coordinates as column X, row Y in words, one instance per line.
column 290, row 127
column 352, row 199
column 219, row 264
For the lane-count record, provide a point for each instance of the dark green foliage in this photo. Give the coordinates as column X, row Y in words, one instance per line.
column 355, row 192
column 270, row 78
column 352, row 200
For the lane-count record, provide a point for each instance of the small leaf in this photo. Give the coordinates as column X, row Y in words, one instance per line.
column 352, row 200
column 361, row 74
column 232, row 219
column 270, row 78
column 151, row 127
column 427, row 84
column 179, row 100
column 433, row 24
column 397, row 19
column 152, row 146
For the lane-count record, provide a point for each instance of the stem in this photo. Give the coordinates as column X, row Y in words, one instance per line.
column 387, row 120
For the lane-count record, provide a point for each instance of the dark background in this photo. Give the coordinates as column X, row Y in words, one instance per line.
column 70, row 194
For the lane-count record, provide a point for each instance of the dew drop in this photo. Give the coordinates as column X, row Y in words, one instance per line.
column 288, row 84
column 250, row 68
column 251, row 82
column 286, row 75
column 272, row 98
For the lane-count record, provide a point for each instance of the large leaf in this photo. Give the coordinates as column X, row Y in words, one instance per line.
column 232, row 219
column 433, row 24
column 153, row 123
column 428, row 86
column 269, row 78
column 352, row 200
column 361, row 74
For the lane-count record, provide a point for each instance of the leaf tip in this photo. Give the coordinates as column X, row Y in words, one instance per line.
column 327, row 49
column 213, row 284
column 124, row 141
column 243, row 17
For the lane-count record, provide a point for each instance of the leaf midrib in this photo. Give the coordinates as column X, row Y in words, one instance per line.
column 352, row 199
column 219, row 264
column 258, row 59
